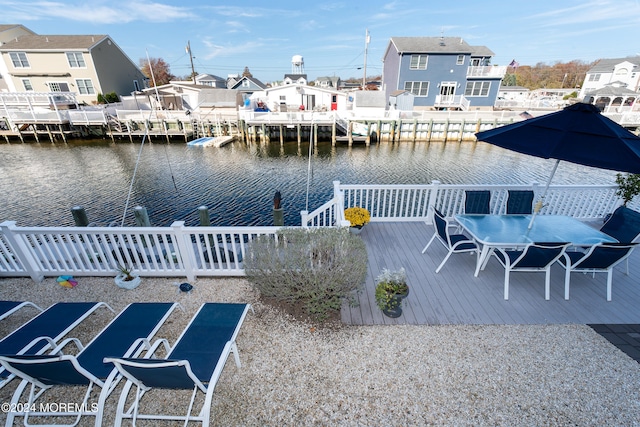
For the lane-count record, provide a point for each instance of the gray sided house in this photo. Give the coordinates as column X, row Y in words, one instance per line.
column 441, row 73
column 84, row 64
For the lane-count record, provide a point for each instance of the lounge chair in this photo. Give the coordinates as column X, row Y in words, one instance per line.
column 538, row 256
column 7, row 308
column 455, row 243
column 195, row 362
column 128, row 334
column 600, row 258
column 45, row 330
column 624, row 226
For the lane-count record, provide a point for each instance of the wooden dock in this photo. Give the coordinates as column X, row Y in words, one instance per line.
column 455, row 296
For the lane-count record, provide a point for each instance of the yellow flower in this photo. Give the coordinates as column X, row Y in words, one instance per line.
column 357, row 216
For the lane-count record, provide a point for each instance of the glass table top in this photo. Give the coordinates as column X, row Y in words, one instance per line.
column 514, row 229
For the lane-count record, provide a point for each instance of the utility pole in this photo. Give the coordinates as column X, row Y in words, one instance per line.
column 193, row 71
column 366, row 47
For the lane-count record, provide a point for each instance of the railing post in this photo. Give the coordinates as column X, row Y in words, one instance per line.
column 185, row 249
column 304, row 219
column 431, row 200
column 22, row 252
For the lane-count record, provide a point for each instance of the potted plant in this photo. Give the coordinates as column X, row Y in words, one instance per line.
column 391, row 288
column 358, row 217
column 126, row 278
column 628, row 186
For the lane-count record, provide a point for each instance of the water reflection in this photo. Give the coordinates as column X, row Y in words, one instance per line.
column 42, row 181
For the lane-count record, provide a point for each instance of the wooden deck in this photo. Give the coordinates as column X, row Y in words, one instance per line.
column 455, row 296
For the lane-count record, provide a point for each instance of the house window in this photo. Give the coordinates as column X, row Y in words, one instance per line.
column 594, row 77
column 245, row 83
column 27, row 85
column 76, row 60
column 19, row 59
column 58, row 87
column 418, row 62
column 85, row 87
column 136, row 86
column 477, row 89
column 460, row 60
column 417, row 88
column 622, row 72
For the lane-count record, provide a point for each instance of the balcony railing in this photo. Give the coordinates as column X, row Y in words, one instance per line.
column 493, row 71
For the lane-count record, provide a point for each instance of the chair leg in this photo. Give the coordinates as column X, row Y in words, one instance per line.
column 506, row 283
column 609, row 280
column 429, row 244
column 547, row 284
column 443, row 261
column 567, row 279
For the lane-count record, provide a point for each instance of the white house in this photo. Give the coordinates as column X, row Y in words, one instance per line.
column 296, row 97
column 624, row 72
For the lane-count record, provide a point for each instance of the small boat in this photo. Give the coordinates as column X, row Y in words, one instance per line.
column 208, row 141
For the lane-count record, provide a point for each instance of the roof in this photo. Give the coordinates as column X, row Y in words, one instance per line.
column 437, row 45
column 296, row 76
column 607, row 65
column 55, row 42
column 612, row 91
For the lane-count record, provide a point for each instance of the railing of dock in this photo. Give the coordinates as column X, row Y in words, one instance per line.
column 175, row 251
column 414, row 202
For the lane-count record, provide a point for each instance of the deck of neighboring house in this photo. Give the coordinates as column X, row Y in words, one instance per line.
column 455, row 296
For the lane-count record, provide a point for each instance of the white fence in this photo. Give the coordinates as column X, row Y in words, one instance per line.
column 412, row 202
column 180, row 251
column 151, row 251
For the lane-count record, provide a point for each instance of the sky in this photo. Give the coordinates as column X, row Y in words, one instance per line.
column 225, row 37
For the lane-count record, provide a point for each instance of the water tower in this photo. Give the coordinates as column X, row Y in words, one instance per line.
column 297, row 64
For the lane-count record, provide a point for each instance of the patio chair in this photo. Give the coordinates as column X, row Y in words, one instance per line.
column 600, row 258
column 128, row 334
column 520, row 202
column 537, row 256
column 624, row 226
column 194, row 363
column 45, row 330
column 477, row 202
column 7, row 308
column 455, row 243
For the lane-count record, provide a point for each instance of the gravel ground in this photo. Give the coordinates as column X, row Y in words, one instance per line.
column 294, row 374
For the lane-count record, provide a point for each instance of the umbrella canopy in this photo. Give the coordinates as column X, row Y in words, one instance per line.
column 578, row 134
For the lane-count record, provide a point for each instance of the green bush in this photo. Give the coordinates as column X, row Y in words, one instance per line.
column 628, row 186
column 108, row 98
column 319, row 268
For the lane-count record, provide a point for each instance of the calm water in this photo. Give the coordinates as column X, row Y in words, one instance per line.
column 41, row 182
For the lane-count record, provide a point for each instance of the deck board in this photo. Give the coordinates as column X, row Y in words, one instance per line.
column 455, row 296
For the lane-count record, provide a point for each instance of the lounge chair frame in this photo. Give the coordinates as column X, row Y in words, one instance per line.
column 7, row 308
column 174, row 373
column 43, row 372
column 31, row 337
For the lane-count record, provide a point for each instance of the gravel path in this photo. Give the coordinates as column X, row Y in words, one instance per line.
column 294, row 374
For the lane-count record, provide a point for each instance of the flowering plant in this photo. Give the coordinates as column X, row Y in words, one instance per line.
column 391, row 286
column 357, row 216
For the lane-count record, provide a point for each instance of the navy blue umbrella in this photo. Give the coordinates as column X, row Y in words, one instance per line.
column 578, row 134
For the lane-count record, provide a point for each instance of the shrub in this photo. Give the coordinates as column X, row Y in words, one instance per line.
column 319, row 268
column 628, row 186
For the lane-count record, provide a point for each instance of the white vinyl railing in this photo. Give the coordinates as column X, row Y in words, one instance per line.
column 179, row 251
column 413, row 202
column 182, row 251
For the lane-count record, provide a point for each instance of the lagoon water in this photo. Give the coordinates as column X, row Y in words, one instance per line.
column 41, row 182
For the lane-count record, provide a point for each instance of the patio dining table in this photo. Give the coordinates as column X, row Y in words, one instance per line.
column 512, row 231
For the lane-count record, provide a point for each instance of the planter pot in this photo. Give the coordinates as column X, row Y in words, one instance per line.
column 127, row 284
column 404, row 295
column 394, row 312
column 356, row 230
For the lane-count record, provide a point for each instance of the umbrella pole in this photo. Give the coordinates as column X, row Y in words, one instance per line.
column 540, row 203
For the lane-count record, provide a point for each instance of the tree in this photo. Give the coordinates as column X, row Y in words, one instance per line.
column 161, row 72
column 541, row 75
